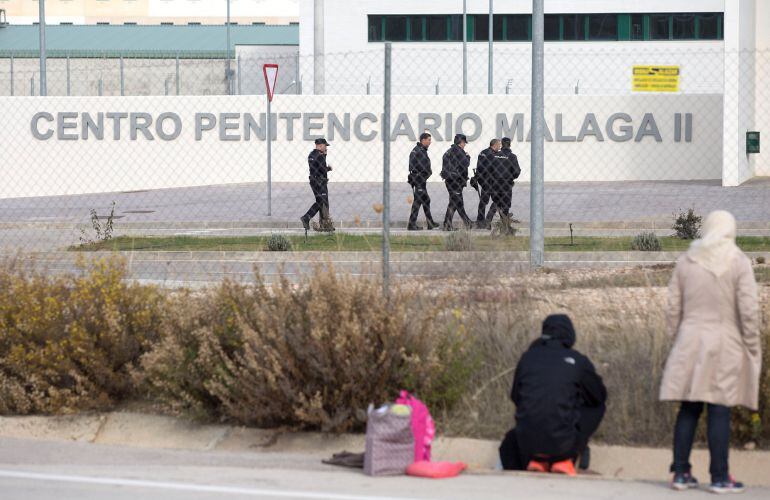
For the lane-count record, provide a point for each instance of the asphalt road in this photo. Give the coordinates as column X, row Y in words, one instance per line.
column 40, row 470
column 577, row 202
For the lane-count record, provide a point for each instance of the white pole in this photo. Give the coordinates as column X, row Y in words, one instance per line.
column 465, row 47
column 268, row 121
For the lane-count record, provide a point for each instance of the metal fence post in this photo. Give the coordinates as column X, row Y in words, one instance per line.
column 369, row 86
column 536, row 235
column 239, row 75
column 177, row 74
column 122, row 81
column 490, row 65
column 69, row 88
column 437, row 83
column 386, row 177
column 465, row 47
column 41, row 21
column 32, row 85
column 297, row 74
column 101, row 86
column 11, row 74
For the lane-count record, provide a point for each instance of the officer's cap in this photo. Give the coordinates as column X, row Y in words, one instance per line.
column 321, row 140
column 460, row 138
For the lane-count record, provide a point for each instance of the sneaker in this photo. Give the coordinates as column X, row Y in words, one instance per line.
column 305, row 222
column 729, row 486
column 564, row 467
column 683, row 481
column 535, row 466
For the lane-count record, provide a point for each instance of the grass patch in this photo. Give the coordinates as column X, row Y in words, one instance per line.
column 342, row 242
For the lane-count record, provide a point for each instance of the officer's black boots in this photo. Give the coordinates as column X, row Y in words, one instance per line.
column 413, row 227
column 305, row 222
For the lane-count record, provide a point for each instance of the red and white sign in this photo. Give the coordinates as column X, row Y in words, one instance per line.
column 271, row 77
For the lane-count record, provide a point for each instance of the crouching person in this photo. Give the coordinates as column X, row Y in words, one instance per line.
column 560, row 402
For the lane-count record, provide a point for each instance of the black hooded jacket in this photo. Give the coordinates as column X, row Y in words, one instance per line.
column 552, row 382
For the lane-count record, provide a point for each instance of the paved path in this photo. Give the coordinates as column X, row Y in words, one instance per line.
column 599, row 209
column 577, row 202
column 41, row 470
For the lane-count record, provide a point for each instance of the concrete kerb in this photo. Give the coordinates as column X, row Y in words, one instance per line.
column 658, row 225
column 156, row 431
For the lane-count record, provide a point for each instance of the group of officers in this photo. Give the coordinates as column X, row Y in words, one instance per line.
column 496, row 170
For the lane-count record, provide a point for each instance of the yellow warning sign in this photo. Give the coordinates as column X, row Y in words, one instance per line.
column 655, row 79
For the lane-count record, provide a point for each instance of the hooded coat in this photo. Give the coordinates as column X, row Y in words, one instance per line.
column 552, row 382
column 713, row 310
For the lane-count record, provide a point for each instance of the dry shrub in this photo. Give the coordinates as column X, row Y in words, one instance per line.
column 621, row 329
column 68, row 342
column 312, row 355
column 755, row 426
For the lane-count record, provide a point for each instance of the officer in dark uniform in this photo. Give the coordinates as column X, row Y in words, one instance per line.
column 485, row 182
column 454, row 171
column 319, row 183
column 505, row 170
column 419, row 173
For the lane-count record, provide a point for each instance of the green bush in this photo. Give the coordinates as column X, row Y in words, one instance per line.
column 70, row 342
column 278, row 243
column 687, row 224
column 312, row 355
column 646, row 242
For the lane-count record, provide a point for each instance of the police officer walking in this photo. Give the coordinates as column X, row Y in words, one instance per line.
column 503, row 172
column 319, row 183
column 484, row 181
column 419, row 173
column 454, row 171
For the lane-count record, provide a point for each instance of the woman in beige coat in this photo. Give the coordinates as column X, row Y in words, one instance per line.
column 713, row 310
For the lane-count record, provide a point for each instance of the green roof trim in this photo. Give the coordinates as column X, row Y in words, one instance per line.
column 188, row 41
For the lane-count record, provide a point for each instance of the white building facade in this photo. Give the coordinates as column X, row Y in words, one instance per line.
column 721, row 48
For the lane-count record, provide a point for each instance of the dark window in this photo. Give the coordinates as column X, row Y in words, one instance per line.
column 637, row 27
column 436, row 28
column 497, row 29
column 456, row 28
column 415, row 25
column 708, row 28
column 659, row 27
column 375, row 28
column 517, row 28
column 395, row 28
column 552, row 27
column 684, row 26
column 574, row 27
column 481, row 27
column 603, row 27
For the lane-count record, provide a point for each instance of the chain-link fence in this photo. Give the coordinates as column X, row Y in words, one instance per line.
column 190, row 171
